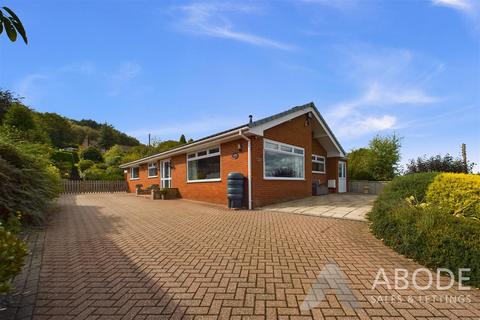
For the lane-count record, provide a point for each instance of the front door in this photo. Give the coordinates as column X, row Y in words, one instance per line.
column 342, row 176
column 166, row 174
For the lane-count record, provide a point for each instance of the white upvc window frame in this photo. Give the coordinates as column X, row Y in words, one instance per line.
column 208, row 154
column 149, row 165
column 131, row 173
column 315, row 159
column 294, row 152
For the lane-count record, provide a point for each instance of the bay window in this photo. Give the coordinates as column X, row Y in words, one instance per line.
column 204, row 165
column 283, row 161
column 318, row 164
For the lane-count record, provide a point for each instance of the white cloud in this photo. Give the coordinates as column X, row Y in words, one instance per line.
column 359, row 126
column 387, row 79
column 212, row 20
column 463, row 5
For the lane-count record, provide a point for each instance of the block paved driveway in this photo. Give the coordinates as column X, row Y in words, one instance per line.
column 115, row 256
column 352, row 206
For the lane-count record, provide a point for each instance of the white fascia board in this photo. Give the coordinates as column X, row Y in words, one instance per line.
column 259, row 130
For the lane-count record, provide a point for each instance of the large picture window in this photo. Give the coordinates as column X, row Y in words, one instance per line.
column 204, row 165
column 318, row 164
column 283, row 161
column 152, row 170
column 134, row 173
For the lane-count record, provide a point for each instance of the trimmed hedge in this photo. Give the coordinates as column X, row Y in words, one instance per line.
column 456, row 193
column 429, row 235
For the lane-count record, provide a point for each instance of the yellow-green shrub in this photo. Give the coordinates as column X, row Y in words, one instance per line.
column 12, row 256
column 456, row 193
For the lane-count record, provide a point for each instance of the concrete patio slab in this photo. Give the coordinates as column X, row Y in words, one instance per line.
column 353, row 206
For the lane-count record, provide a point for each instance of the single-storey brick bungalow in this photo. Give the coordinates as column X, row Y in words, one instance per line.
column 281, row 157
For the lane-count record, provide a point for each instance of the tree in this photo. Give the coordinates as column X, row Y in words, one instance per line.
column 439, row 163
column 359, row 164
column 385, row 156
column 12, row 25
column 107, row 136
column 93, row 154
column 7, row 98
column 182, row 139
column 377, row 162
column 58, row 129
column 20, row 117
column 114, row 156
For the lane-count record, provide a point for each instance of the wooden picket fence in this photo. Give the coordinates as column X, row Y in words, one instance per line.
column 94, row 186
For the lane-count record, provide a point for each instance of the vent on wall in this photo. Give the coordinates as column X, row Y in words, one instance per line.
column 332, row 183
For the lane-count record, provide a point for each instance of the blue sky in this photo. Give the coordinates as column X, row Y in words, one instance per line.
column 171, row 67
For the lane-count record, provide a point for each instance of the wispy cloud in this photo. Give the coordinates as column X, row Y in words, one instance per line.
column 469, row 8
column 29, row 87
column 462, row 5
column 126, row 72
column 212, row 20
column 387, row 79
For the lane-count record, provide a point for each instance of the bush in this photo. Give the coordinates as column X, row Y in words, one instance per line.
column 428, row 235
column 456, row 193
column 12, row 257
column 96, row 173
column 28, row 180
column 85, row 164
column 93, row 154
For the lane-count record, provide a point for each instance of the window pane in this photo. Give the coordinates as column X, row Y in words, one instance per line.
column 287, row 149
column 270, row 145
column 215, row 150
column 166, row 170
column 201, row 153
column 298, row 151
column 283, row 165
column 134, row 172
column 192, row 155
column 206, row 168
column 317, row 166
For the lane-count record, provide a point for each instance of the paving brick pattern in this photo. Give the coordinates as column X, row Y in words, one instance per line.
column 19, row 304
column 352, row 206
column 116, row 256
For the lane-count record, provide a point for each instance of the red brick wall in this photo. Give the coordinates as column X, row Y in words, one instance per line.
column 144, row 180
column 319, row 150
column 293, row 132
column 215, row 192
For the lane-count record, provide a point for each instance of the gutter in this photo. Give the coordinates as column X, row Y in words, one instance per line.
column 240, row 133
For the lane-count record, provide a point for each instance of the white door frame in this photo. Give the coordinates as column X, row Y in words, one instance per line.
column 165, row 181
column 342, row 176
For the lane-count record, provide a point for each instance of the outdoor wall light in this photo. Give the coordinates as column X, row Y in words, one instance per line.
column 239, row 147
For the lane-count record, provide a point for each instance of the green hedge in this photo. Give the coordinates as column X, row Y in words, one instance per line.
column 429, row 235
